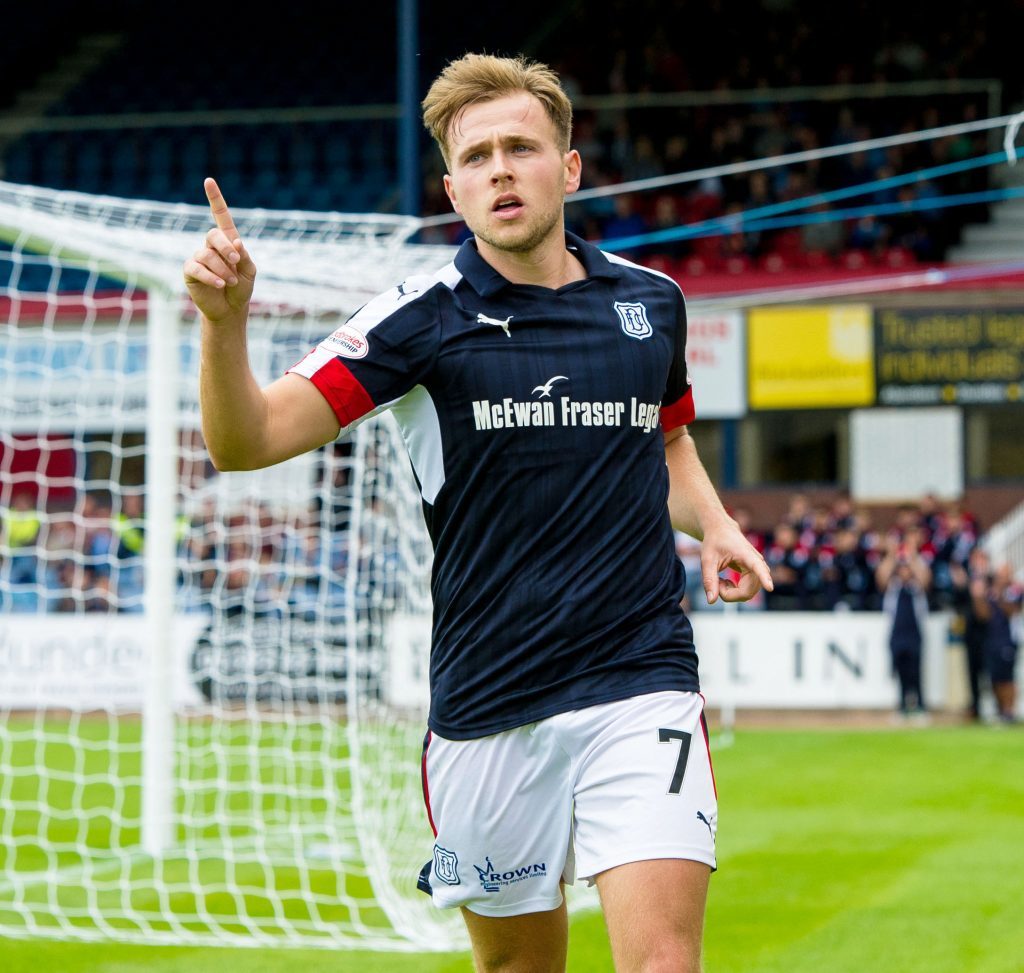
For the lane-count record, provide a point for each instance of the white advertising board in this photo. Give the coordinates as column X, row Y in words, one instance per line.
column 798, row 660
column 86, row 662
column 749, row 659
column 716, row 361
column 929, row 445
column 407, row 637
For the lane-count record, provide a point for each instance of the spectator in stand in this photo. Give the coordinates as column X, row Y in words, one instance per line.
column 825, row 237
column 129, row 531
column 645, row 162
column 816, row 540
column 974, row 626
column 817, row 531
column 95, row 521
column 818, row 560
column 848, row 580
column 307, row 576
column 904, row 578
column 627, row 221
column 798, row 515
column 998, row 602
column 667, row 217
column 788, row 562
column 953, row 540
column 62, row 539
column 908, row 517
column 19, row 566
column 738, row 248
column 68, row 584
column 930, row 513
column 843, row 515
column 868, row 234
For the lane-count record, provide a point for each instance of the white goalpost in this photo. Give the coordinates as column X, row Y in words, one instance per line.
column 213, row 688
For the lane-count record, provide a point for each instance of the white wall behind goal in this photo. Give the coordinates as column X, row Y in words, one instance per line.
column 900, row 454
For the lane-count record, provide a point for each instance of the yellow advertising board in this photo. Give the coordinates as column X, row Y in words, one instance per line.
column 811, row 357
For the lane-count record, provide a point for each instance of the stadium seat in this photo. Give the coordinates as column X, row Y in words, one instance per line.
column 854, row 260
column 788, row 243
column 774, row 263
column 659, row 262
column 896, row 258
column 816, row 260
column 697, row 266
column 738, row 264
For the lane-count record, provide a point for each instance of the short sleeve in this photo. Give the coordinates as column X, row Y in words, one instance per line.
column 381, row 353
column 677, row 407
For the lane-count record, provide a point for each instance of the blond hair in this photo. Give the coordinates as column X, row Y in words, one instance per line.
column 482, row 77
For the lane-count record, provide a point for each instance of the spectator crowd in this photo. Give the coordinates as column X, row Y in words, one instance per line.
column 824, row 558
column 832, row 558
column 786, row 50
column 827, row 557
column 91, row 559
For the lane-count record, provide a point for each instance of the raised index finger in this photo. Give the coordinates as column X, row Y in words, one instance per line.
column 221, row 213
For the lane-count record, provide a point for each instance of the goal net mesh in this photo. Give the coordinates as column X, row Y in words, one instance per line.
column 295, row 625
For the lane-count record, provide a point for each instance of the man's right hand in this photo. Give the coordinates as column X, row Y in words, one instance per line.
column 220, row 275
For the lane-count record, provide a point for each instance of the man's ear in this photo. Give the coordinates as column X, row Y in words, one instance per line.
column 450, row 190
column 573, row 171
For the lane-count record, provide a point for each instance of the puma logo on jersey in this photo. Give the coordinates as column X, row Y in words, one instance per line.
column 700, row 816
column 484, row 319
column 545, row 390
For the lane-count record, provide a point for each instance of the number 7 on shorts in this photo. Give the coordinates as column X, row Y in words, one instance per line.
column 667, row 736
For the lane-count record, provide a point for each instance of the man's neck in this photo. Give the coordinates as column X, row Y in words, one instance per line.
column 548, row 265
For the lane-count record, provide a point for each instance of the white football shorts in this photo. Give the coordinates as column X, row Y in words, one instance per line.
column 570, row 796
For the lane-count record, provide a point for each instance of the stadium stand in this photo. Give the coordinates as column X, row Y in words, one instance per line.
column 349, row 164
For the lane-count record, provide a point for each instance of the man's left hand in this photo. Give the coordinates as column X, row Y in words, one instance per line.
column 724, row 546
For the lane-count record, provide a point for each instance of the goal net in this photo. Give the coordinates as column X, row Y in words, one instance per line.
column 213, row 687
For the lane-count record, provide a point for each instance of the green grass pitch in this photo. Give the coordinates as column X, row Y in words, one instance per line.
column 898, row 850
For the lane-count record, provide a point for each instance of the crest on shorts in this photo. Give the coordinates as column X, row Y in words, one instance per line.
column 446, row 866
column 633, row 318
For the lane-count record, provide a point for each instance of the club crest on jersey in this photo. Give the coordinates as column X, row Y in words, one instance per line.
column 633, row 318
column 446, row 866
column 348, row 342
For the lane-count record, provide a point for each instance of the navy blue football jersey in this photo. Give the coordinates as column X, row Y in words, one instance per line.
column 533, row 418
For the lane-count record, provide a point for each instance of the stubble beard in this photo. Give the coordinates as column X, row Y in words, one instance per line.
column 532, row 235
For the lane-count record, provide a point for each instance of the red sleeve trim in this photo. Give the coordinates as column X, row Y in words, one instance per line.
column 343, row 391
column 680, row 413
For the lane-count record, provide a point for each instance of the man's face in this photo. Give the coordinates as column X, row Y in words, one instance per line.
column 508, row 175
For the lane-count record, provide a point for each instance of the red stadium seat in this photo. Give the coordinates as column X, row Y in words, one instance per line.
column 854, row 260
column 658, row 261
column 897, row 258
column 698, row 266
column 788, row 243
column 775, row 263
column 816, row 260
column 738, row 264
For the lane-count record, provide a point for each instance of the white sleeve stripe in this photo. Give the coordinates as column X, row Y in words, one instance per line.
column 622, row 261
column 386, row 304
column 369, row 415
column 313, row 362
column 421, row 428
